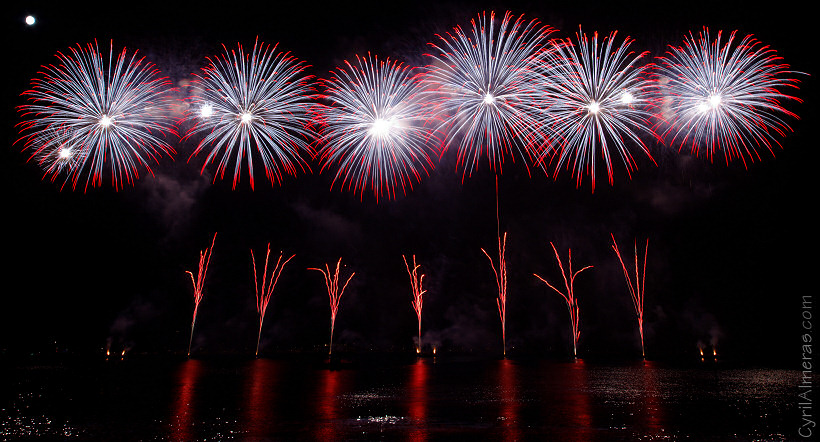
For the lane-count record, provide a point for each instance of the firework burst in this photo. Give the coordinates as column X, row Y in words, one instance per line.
column 725, row 98
column 596, row 102
column 373, row 127
column 483, row 87
column 253, row 106
column 88, row 116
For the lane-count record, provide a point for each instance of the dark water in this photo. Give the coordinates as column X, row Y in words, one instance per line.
column 388, row 399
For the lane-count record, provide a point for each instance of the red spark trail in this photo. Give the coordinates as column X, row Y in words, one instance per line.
column 334, row 294
column 636, row 289
column 569, row 296
column 416, row 284
column 204, row 259
column 268, row 284
column 501, row 281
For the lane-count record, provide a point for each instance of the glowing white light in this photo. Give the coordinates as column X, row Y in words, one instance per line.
column 65, row 153
column 106, row 121
column 206, row 111
column 30, row 20
column 711, row 103
column 627, row 98
column 593, row 107
column 381, row 127
column 488, row 98
column 246, row 117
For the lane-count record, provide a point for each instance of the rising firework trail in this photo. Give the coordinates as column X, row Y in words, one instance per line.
column 501, row 282
column 198, row 283
column 724, row 98
column 416, row 280
column 268, row 283
column 482, row 85
column 569, row 295
column 252, row 106
column 374, row 127
column 636, row 288
column 96, row 117
column 334, row 294
column 596, row 101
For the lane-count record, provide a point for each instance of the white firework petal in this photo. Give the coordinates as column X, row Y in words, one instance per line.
column 253, row 106
column 482, row 87
column 597, row 99
column 96, row 119
column 725, row 98
column 374, row 127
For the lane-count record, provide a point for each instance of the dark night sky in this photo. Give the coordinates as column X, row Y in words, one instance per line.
column 731, row 249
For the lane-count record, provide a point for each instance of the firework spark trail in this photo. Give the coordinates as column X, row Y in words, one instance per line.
column 253, row 105
column 198, row 283
column 416, row 281
column 268, row 284
column 89, row 116
column 724, row 98
column 501, row 282
column 483, row 89
column 636, row 288
column 596, row 99
column 569, row 296
column 334, row 294
column 374, row 127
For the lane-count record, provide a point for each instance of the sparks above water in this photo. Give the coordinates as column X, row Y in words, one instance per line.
column 416, row 281
column 636, row 288
column 334, row 294
column 501, row 283
column 569, row 296
column 198, row 283
column 268, row 283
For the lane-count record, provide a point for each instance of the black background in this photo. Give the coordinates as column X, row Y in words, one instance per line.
column 731, row 248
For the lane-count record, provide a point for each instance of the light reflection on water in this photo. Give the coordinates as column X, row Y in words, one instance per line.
column 416, row 400
column 184, row 409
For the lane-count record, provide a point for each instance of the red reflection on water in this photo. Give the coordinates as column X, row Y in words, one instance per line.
column 577, row 404
column 182, row 414
column 508, row 382
column 651, row 405
column 259, row 403
column 330, row 384
column 417, row 391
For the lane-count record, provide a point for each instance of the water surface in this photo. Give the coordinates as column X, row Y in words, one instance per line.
column 396, row 399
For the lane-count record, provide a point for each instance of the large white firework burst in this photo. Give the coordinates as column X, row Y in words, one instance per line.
column 253, row 106
column 374, row 127
column 724, row 98
column 482, row 87
column 596, row 105
column 97, row 118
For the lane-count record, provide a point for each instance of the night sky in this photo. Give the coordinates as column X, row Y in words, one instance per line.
column 731, row 248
